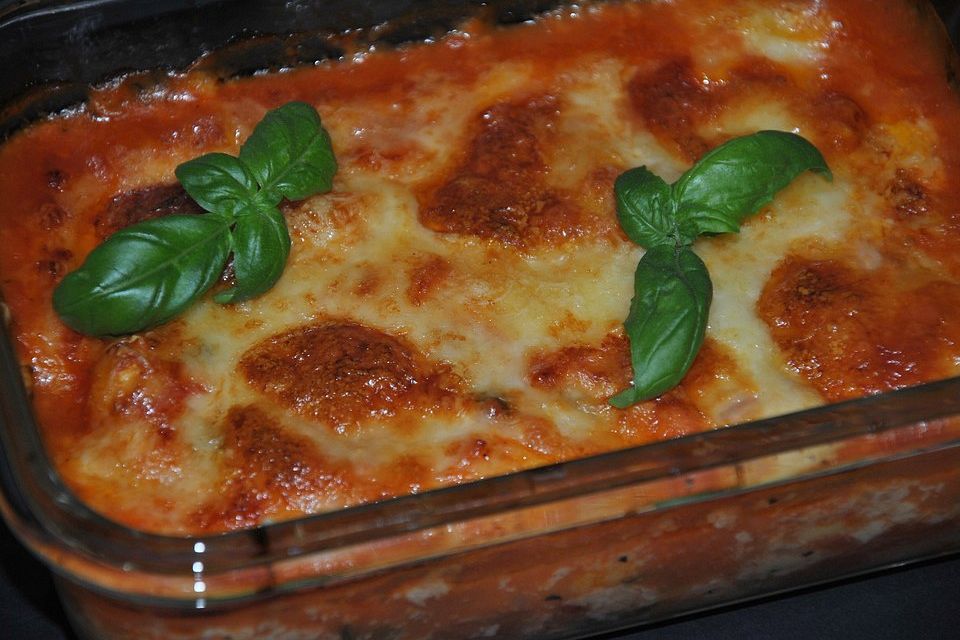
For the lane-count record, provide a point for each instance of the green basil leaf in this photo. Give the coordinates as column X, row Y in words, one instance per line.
column 144, row 275
column 290, row 153
column 218, row 182
column 644, row 207
column 667, row 320
column 261, row 245
column 736, row 179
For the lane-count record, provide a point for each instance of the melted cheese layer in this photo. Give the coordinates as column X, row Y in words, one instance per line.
column 452, row 309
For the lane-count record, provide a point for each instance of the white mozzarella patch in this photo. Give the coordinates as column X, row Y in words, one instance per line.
column 797, row 33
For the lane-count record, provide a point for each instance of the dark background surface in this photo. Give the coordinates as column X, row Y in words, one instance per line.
column 917, row 602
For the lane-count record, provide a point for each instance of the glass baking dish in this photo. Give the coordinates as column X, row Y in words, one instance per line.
column 564, row 551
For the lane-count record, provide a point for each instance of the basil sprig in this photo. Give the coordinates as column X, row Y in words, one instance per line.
column 146, row 274
column 672, row 289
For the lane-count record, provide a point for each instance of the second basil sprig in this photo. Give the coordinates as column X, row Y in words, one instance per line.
column 672, row 289
column 148, row 273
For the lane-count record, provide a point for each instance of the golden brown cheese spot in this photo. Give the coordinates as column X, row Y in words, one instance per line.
column 369, row 280
column 59, row 382
column 130, row 207
column 674, row 101
column 54, row 263
column 838, row 121
column 340, row 214
column 401, row 475
column 719, row 387
column 924, row 218
column 921, row 218
column 567, row 325
column 712, row 360
column 385, row 136
column 671, row 415
column 819, row 314
column 596, row 372
column 202, row 133
column 907, row 196
column 470, row 455
column 56, row 179
column 851, row 333
column 599, row 187
column 426, row 277
column 671, row 101
column 706, row 389
column 133, row 381
column 269, row 473
column 470, row 449
column 498, row 190
column 344, row 373
column 925, row 330
column 478, row 455
column 52, row 216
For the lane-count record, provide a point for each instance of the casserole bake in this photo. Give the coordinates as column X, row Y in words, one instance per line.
column 585, row 544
